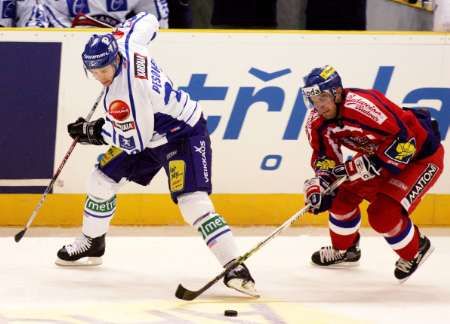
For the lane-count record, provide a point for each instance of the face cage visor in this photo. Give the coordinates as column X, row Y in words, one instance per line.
column 313, row 91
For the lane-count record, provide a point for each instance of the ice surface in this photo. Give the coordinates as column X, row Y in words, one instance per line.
column 143, row 266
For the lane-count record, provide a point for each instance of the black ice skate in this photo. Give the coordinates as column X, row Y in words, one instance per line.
column 404, row 268
column 329, row 257
column 241, row 280
column 85, row 251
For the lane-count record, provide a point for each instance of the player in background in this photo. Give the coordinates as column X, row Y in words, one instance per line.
column 7, row 13
column 31, row 13
column 398, row 159
column 84, row 13
column 150, row 125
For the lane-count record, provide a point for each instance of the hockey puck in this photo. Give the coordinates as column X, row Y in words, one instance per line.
column 230, row 312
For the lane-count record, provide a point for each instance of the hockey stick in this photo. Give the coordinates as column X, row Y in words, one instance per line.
column 81, row 20
column 186, row 294
column 19, row 235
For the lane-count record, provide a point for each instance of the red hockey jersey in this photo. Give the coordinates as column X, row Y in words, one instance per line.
column 370, row 124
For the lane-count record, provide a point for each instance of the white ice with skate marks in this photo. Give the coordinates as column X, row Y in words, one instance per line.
column 142, row 268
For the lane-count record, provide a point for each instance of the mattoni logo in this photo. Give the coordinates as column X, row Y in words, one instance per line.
column 424, row 179
column 202, row 151
column 119, row 110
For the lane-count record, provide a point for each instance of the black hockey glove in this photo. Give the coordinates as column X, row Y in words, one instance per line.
column 314, row 190
column 360, row 167
column 87, row 132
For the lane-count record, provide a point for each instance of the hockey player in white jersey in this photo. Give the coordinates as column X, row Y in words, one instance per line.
column 150, row 125
column 73, row 13
column 31, row 13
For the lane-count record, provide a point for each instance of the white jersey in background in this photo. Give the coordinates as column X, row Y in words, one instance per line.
column 112, row 12
column 7, row 13
column 143, row 108
column 31, row 13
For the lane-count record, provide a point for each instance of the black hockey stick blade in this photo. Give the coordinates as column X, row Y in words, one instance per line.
column 185, row 294
column 19, row 235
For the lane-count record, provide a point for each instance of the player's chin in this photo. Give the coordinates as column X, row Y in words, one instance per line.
column 106, row 83
column 328, row 115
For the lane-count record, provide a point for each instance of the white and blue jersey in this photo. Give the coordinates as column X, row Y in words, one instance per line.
column 112, row 12
column 143, row 109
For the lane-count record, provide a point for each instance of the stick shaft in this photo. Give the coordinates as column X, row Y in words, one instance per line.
column 61, row 166
column 187, row 294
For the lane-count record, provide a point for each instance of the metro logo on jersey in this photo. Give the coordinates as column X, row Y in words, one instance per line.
column 77, row 6
column 119, row 110
column 140, row 66
column 365, row 107
column 116, row 5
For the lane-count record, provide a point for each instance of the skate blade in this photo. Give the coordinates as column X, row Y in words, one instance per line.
column 247, row 289
column 425, row 257
column 342, row 265
column 83, row 262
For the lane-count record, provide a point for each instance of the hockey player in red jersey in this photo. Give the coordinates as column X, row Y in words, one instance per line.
column 398, row 159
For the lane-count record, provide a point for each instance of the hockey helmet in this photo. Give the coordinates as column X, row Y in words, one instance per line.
column 100, row 51
column 319, row 80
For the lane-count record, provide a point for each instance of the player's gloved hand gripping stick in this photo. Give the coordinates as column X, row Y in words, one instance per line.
column 20, row 234
column 186, row 294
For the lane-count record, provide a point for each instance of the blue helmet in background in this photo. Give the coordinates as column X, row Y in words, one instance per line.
column 319, row 80
column 100, row 51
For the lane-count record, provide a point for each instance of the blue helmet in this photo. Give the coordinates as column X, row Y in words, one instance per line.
column 100, row 51
column 319, row 80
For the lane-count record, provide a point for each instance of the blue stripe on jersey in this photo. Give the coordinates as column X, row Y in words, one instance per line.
column 104, row 99
column 130, row 90
column 106, row 133
column 157, row 10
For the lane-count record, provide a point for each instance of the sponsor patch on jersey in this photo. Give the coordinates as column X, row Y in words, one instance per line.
column 77, row 6
column 177, row 171
column 110, row 155
column 327, row 72
column 364, row 107
column 401, row 151
column 418, row 188
column 140, row 66
column 116, row 5
column 119, row 110
column 9, row 9
column 126, row 143
column 201, row 150
column 126, row 126
column 398, row 183
column 325, row 164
